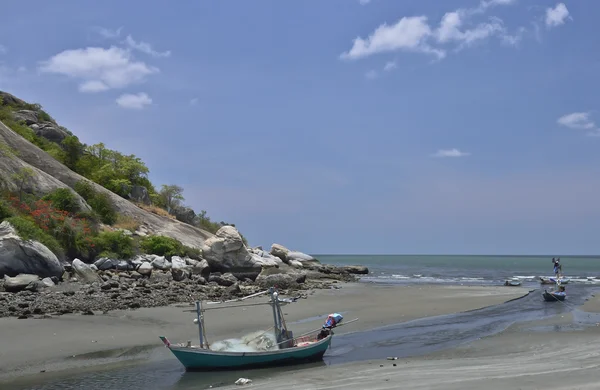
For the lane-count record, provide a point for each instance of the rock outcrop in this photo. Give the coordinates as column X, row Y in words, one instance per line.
column 226, row 252
column 18, row 256
column 295, row 257
column 51, row 174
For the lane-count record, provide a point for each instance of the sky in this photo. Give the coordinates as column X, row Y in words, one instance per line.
column 338, row 126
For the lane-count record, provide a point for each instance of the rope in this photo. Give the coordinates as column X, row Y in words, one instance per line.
column 260, row 335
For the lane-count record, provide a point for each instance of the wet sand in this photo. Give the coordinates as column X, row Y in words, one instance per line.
column 556, row 353
column 33, row 345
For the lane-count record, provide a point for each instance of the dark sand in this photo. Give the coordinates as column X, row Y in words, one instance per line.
column 556, row 353
column 32, row 345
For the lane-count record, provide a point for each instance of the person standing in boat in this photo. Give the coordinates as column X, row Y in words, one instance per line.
column 557, row 267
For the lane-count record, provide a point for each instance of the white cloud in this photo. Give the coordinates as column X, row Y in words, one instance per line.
column 108, row 33
column 193, row 101
column 21, row 69
column 145, row 47
column 370, row 75
column 134, row 101
column 364, row 2
column 450, row 153
column 113, row 67
column 390, row 65
column 93, row 86
column 414, row 33
column 408, row 33
column 3, row 49
column 557, row 15
column 577, row 120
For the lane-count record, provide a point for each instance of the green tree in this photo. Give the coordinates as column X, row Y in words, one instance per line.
column 170, row 196
column 73, row 151
column 22, row 179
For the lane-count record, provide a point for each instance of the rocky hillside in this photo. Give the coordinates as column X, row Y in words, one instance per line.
column 48, row 174
column 82, row 229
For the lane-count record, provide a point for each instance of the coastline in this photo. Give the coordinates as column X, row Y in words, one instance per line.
column 135, row 332
column 555, row 353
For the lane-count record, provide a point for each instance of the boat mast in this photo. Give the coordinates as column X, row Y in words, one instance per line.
column 200, row 324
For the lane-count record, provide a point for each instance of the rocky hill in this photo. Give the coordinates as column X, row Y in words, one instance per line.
column 82, row 228
column 50, row 174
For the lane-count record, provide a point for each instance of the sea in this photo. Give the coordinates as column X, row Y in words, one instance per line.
column 159, row 370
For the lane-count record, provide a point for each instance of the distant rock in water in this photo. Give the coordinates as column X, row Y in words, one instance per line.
column 18, row 256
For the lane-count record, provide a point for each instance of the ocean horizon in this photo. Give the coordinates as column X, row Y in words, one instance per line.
column 468, row 269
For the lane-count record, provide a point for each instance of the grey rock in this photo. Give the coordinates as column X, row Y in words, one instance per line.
column 25, row 257
column 161, row 263
column 279, row 251
column 84, row 272
column 139, row 194
column 226, row 279
column 145, row 269
column 19, row 282
column 28, row 116
column 185, row 214
column 179, row 274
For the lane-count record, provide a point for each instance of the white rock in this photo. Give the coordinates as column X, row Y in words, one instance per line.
column 243, row 381
column 178, row 263
column 84, row 271
column 145, row 269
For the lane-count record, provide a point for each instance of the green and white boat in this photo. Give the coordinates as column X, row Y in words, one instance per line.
column 288, row 350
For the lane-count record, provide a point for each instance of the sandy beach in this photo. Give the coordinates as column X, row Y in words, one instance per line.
column 44, row 344
column 555, row 353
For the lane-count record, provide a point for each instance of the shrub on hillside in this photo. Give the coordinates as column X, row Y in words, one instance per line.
column 161, row 246
column 28, row 230
column 99, row 202
column 5, row 210
column 63, row 199
column 114, row 244
column 167, row 246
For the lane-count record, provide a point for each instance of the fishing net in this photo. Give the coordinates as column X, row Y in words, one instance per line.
column 252, row 342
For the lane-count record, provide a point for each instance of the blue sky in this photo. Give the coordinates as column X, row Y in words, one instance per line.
column 338, row 126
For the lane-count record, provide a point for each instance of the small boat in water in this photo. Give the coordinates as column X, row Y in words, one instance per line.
column 552, row 280
column 512, row 282
column 286, row 349
column 554, row 296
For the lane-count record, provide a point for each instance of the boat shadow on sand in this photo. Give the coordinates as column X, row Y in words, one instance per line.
column 214, row 379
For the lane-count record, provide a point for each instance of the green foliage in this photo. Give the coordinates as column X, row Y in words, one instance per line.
column 161, row 246
column 99, row 202
column 170, row 197
column 114, row 243
column 63, row 199
column 28, row 230
column 109, row 168
column 5, row 210
column 73, row 150
column 22, row 179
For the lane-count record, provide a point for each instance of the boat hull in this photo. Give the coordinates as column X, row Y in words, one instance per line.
column 549, row 297
column 196, row 359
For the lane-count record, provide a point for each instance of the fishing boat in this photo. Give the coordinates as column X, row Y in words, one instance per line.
column 552, row 280
column 512, row 282
column 554, row 296
column 286, row 349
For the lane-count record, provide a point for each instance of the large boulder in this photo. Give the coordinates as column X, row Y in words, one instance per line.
column 185, row 214
column 283, row 278
column 19, row 282
column 226, row 252
column 279, row 251
column 139, row 194
column 29, row 117
column 18, row 256
column 301, row 257
column 50, row 131
column 84, row 272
